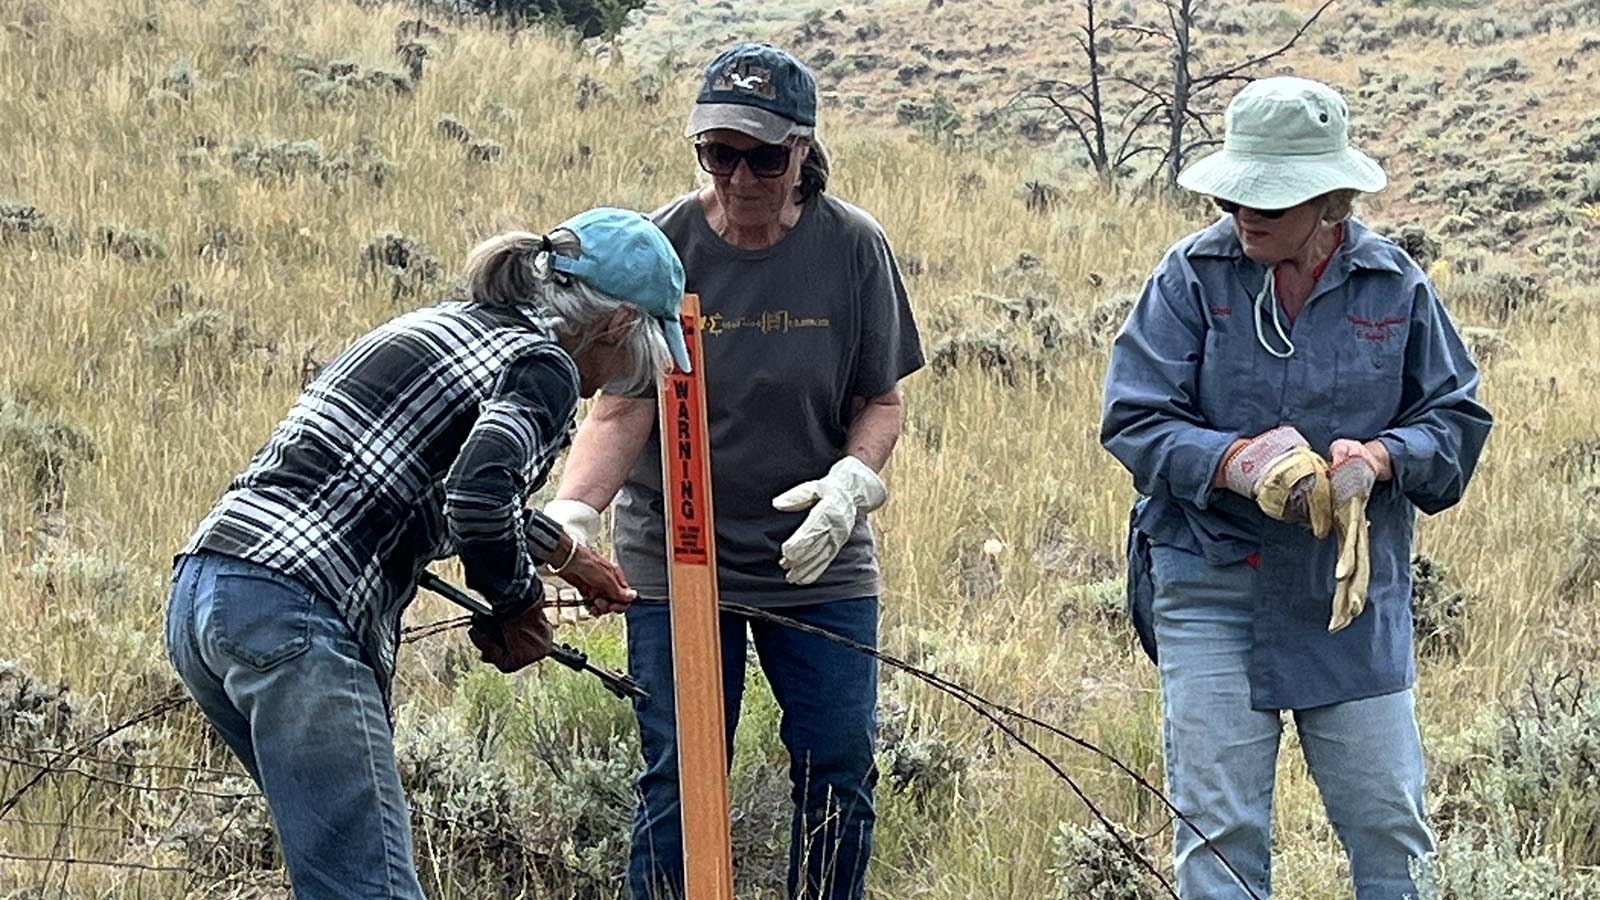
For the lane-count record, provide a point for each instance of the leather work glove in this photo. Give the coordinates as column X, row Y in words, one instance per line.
column 836, row 500
column 581, row 522
column 512, row 643
column 1287, row 480
column 1352, row 483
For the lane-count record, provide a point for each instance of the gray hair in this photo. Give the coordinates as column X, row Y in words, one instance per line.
column 1338, row 205
column 513, row 269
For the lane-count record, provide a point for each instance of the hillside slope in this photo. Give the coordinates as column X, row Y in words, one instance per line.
column 1481, row 111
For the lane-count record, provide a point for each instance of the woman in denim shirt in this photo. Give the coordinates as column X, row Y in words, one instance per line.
column 1283, row 367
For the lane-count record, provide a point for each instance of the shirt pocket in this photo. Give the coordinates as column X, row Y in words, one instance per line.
column 1370, row 368
column 1233, row 394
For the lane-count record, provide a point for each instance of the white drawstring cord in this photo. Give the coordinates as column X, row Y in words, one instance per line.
column 1269, row 294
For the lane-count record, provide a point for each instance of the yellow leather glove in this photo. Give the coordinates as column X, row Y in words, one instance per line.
column 1288, row 481
column 1296, row 489
column 1352, row 485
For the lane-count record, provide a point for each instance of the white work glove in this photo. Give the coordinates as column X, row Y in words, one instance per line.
column 836, row 500
column 581, row 522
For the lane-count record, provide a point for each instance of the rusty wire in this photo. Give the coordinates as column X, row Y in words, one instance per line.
column 996, row 714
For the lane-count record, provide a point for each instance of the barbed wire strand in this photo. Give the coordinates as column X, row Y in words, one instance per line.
column 174, row 699
column 988, row 709
column 975, row 701
column 46, row 769
column 124, row 763
column 84, row 861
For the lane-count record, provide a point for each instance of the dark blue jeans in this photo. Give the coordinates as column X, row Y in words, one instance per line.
column 828, row 695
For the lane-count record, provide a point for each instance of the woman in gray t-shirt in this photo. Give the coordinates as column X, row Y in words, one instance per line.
column 808, row 332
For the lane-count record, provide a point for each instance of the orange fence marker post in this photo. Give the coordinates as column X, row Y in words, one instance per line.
column 696, row 644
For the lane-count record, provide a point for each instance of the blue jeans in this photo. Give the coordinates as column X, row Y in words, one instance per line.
column 281, row 677
column 1364, row 755
column 828, row 695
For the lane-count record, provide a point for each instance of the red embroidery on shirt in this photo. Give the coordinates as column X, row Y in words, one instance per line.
column 1253, row 560
column 1375, row 331
column 1222, row 310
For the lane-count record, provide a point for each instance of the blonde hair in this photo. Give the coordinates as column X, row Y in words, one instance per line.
column 1338, row 205
column 513, row 269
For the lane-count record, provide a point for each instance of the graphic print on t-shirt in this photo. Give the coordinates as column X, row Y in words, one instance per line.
column 776, row 321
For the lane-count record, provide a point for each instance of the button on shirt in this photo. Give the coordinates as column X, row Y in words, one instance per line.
column 421, row 441
column 1376, row 356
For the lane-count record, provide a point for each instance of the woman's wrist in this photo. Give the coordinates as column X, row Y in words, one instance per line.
column 1383, row 464
column 571, row 553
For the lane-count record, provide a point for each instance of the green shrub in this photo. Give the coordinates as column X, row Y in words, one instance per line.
column 1438, row 608
column 1535, row 761
column 1417, row 242
column 26, row 224
column 522, row 792
column 1486, row 863
column 40, row 447
column 406, row 264
column 132, row 244
column 34, row 714
column 590, row 18
column 1498, row 291
column 211, row 343
column 1092, row 865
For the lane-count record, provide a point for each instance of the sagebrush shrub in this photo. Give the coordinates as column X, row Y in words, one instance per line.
column 1535, row 761
column 590, row 18
column 1486, row 862
column 1091, row 865
column 1438, row 608
column 406, row 264
column 40, row 446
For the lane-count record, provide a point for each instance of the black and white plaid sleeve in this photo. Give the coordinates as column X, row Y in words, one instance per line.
column 520, row 429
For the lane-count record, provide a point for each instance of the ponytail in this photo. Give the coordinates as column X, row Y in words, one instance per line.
column 813, row 172
column 514, row 267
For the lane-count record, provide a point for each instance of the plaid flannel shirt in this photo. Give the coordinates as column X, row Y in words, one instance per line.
column 422, row 440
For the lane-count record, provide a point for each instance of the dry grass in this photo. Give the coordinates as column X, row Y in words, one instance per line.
column 106, row 347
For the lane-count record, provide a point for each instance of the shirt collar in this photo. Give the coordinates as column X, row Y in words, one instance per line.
column 1362, row 249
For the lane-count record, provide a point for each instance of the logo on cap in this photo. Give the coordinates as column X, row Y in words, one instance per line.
column 746, row 78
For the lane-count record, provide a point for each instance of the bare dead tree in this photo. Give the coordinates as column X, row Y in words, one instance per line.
column 1080, row 104
column 1187, row 88
column 1119, row 116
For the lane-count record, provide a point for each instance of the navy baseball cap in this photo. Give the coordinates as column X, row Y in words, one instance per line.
column 758, row 90
column 622, row 254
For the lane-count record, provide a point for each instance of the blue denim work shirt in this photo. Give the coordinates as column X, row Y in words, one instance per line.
column 1376, row 356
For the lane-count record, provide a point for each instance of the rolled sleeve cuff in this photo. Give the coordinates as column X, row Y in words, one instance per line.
column 1205, row 457
column 1408, row 448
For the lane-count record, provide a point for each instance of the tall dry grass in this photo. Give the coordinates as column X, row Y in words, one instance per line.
column 137, row 386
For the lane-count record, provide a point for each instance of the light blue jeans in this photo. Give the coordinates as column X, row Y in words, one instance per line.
column 1364, row 755
column 281, row 677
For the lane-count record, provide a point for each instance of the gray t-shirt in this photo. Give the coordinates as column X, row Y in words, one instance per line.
column 793, row 333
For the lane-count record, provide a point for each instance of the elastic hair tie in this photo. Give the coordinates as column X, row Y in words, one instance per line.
column 545, row 246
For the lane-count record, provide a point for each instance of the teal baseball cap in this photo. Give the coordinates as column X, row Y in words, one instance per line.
column 622, row 254
column 759, row 90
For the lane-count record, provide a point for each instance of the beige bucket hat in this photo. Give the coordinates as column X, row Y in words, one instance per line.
column 1287, row 140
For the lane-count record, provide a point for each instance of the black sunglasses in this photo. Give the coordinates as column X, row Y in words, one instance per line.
column 1232, row 209
column 764, row 160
